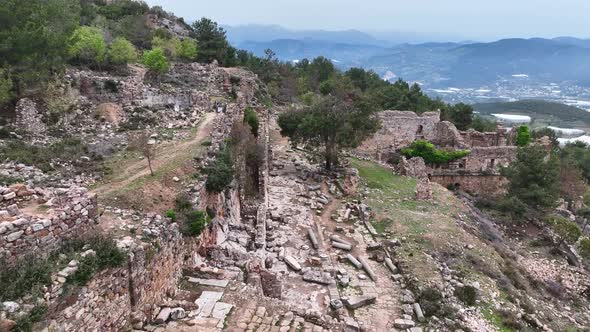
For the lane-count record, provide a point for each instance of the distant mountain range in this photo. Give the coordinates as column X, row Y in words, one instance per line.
column 434, row 64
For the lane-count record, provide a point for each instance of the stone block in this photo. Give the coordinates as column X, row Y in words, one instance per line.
column 355, row 302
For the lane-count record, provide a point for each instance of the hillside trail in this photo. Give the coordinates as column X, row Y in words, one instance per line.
column 165, row 153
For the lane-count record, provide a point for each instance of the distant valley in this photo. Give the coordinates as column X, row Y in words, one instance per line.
column 506, row 70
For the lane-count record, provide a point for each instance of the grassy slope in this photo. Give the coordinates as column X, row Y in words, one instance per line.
column 431, row 230
column 543, row 112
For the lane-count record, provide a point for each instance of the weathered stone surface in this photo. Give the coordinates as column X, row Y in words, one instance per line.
column 163, row 315
column 7, row 325
column 354, row 261
column 355, row 302
column 367, row 268
column 292, row 262
column 14, row 236
column 207, row 302
column 221, row 310
column 313, row 238
column 391, row 266
column 419, row 313
column 342, row 246
column 318, row 277
column 403, row 323
column 209, row 282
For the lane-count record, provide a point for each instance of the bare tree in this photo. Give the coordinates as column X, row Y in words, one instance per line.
column 141, row 143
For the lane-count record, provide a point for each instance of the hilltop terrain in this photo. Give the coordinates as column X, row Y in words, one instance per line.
column 155, row 178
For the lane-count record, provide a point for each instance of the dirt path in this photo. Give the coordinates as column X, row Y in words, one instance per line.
column 165, row 153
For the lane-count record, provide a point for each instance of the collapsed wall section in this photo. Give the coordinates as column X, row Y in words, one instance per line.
column 72, row 213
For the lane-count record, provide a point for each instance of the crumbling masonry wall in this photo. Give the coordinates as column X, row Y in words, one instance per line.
column 24, row 233
column 121, row 297
column 479, row 172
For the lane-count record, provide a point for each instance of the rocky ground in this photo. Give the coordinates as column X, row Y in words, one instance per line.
column 348, row 250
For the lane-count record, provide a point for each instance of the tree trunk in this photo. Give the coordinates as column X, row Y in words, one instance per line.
column 150, row 165
column 329, row 156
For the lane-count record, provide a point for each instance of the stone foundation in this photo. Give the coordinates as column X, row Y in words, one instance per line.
column 485, row 185
column 73, row 214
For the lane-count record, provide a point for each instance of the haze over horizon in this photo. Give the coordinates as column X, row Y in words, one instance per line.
column 451, row 20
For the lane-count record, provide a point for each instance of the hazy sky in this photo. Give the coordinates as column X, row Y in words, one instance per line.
column 478, row 19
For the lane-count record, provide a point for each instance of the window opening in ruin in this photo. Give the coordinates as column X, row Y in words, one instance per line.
column 420, row 129
column 492, row 163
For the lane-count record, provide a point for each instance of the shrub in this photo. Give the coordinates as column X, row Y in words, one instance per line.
column 122, row 52
column 467, row 294
column 171, row 214
column 187, row 49
column 585, row 248
column 221, row 174
column 523, row 136
column 430, row 300
column 111, row 86
column 196, row 221
column 251, row 118
column 108, row 255
column 26, row 323
column 87, row 45
column 25, row 276
column 155, row 60
column 432, row 155
column 183, row 203
column 568, row 231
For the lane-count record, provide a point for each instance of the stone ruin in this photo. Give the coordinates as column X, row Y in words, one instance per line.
column 28, row 118
column 478, row 172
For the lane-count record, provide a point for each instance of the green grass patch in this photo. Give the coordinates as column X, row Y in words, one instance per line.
column 382, row 226
column 497, row 319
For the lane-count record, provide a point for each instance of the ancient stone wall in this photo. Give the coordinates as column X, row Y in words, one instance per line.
column 28, row 118
column 118, row 298
column 400, row 129
column 484, row 185
column 481, row 160
column 21, row 233
column 476, row 139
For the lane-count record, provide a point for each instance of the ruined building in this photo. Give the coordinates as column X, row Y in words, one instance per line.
column 479, row 172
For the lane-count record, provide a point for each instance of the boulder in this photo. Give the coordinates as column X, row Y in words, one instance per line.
column 163, row 315
column 110, row 112
column 292, row 262
column 355, row 302
column 403, row 323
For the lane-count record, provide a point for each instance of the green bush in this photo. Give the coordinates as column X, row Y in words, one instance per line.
column 27, row 275
column 195, row 223
column 467, row 294
column 26, row 323
column 585, row 248
column 221, row 174
column 251, row 118
column 183, row 203
column 430, row 300
column 155, row 60
column 523, row 136
column 431, row 154
column 87, row 44
column 108, row 255
column 122, row 52
column 187, row 49
column 171, row 214
column 567, row 230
